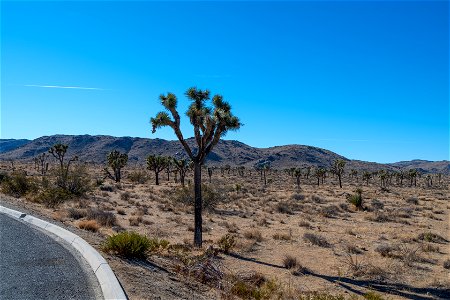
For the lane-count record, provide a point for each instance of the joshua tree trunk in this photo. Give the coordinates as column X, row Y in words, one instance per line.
column 198, row 204
column 156, row 178
column 340, row 180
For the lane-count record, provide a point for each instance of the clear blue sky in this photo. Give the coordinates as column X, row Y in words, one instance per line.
column 368, row 80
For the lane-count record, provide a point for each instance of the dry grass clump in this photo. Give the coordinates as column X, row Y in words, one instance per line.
column 386, row 250
column 253, row 235
column 135, row 221
column 104, row 218
column 412, row 200
column 90, row 225
column 125, row 196
column 121, row 211
column 76, row 213
column 446, row 264
column 289, row 262
column 138, row 176
column 127, row 244
column 316, row 240
column 226, row 243
column 431, row 237
column 297, row 197
column 305, row 224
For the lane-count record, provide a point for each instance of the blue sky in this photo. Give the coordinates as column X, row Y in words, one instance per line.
column 368, row 80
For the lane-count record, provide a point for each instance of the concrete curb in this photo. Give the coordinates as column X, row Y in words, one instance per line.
column 109, row 284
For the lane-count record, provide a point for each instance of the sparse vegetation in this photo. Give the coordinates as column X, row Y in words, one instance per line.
column 128, row 244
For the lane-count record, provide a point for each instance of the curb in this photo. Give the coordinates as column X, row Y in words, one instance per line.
column 109, row 284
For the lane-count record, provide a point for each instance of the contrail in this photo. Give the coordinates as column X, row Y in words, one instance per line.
column 64, row 87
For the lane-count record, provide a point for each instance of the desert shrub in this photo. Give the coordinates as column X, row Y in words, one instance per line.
column 412, row 200
column 76, row 213
column 77, row 181
column 104, row 218
column 125, row 196
column 3, row 176
column 53, row 196
column 231, row 227
column 330, row 211
column 316, row 240
column 351, row 249
column 431, row 237
column 257, row 288
column 127, row 244
column 158, row 245
column 138, row 177
column 282, row 236
column 107, row 188
column 305, row 224
column 379, row 217
column 284, row 208
column 253, row 235
column 90, row 225
column 301, row 270
column 135, row 221
column 210, row 197
column 377, row 204
column 17, row 184
column 317, row 199
column 226, row 243
column 297, row 197
column 289, row 262
column 386, row 250
column 121, row 211
column 356, row 199
column 446, row 264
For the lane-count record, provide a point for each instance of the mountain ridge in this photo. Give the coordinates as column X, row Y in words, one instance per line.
column 94, row 148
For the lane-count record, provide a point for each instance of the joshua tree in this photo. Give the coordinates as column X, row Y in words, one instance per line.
column 157, row 164
column 429, row 180
column 412, row 174
column 400, row 176
column 320, row 174
column 116, row 161
column 383, row 176
column 439, row 175
column 308, row 172
column 182, row 166
column 41, row 163
column 354, row 174
column 338, row 169
column 59, row 152
column 210, row 172
column 366, row 176
column 210, row 124
column 297, row 173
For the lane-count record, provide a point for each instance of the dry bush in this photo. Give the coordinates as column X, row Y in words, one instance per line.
column 386, row 250
column 305, row 224
column 90, row 225
column 376, row 204
column 316, row 240
column 17, row 184
column 446, row 264
column 297, row 197
column 412, row 200
column 127, row 244
column 138, row 177
column 317, row 199
column 76, row 213
column 121, row 211
column 330, row 211
column 253, row 235
column 104, row 218
column 282, row 236
column 125, row 196
column 231, row 227
column 210, row 196
column 301, row 270
column 135, row 221
column 226, row 243
column 431, row 237
column 289, row 262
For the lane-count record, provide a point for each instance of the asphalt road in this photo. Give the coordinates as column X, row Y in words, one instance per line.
column 34, row 266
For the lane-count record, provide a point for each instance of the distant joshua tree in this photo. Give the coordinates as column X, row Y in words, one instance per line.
column 41, row 163
column 182, row 166
column 210, row 172
column 116, row 161
column 59, row 152
column 320, row 174
column 366, row 176
column 157, row 164
column 210, row 124
column 338, row 169
column 412, row 174
column 298, row 173
column 383, row 177
column 429, row 180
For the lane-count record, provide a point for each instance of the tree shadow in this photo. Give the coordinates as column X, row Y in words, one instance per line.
column 146, row 264
column 398, row 289
column 254, row 260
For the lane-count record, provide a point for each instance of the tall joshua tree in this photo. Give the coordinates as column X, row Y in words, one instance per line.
column 338, row 169
column 210, row 124
column 116, row 161
column 297, row 173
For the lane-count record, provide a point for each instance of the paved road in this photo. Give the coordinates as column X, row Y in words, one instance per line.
column 35, row 266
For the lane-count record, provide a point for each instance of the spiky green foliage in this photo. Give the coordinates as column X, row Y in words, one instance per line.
column 116, row 161
column 157, row 164
column 210, row 124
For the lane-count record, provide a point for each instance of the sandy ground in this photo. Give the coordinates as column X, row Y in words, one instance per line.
column 270, row 223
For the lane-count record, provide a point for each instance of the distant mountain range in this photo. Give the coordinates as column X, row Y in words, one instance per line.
column 95, row 148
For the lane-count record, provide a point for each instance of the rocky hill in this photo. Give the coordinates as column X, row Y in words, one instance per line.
column 95, row 148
